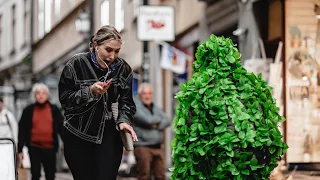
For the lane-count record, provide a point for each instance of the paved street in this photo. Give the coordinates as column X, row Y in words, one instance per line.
column 68, row 176
column 299, row 175
column 59, row 176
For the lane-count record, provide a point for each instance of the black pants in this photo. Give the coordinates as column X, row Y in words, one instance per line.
column 46, row 157
column 89, row 161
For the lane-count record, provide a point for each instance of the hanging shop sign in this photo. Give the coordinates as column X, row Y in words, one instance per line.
column 156, row 23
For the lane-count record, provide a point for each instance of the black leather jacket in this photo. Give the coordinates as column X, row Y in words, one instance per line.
column 85, row 113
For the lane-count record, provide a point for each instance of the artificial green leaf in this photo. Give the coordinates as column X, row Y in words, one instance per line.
column 236, row 55
column 182, row 159
column 220, row 129
column 231, row 59
column 225, row 116
column 254, row 161
column 245, row 172
column 242, row 135
column 272, row 150
column 230, row 153
column 182, row 121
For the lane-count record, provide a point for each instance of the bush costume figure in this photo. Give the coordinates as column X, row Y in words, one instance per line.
column 226, row 124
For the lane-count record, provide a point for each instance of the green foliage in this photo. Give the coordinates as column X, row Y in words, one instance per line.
column 226, row 124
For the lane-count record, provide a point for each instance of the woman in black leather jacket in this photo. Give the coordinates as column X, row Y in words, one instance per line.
column 90, row 84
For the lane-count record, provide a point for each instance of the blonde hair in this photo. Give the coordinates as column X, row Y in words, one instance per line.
column 105, row 33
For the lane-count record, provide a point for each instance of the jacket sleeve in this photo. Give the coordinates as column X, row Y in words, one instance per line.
column 14, row 126
column 144, row 120
column 59, row 119
column 22, row 131
column 127, row 107
column 69, row 95
column 164, row 123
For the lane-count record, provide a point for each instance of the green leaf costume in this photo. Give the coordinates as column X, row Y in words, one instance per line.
column 226, row 124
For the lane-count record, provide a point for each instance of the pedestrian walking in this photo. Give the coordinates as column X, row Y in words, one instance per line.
column 149, row 123
column 39, row 127
column 8, row 123
column 92, row 86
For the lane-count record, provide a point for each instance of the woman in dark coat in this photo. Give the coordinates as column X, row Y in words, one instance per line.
column 94, row 88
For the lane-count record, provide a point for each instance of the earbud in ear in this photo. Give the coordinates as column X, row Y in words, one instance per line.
column 96, row 49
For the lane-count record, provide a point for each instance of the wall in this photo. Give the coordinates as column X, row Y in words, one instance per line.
column 66, row 7
column 55, row 44
column 62, row 38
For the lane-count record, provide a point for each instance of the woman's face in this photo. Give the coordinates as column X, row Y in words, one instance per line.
column 108, row 51
column 41, row 96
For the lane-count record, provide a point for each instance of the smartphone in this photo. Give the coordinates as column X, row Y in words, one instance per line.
column 108, row 82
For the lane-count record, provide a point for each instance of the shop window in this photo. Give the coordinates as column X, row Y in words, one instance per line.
column 57, row 8
column 119, row 16
column 47, row 15
column 104, row 13
column 40, row 19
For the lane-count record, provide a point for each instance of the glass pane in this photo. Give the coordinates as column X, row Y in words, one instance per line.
column 57, row 5
column 104, row 13
column 119, row 21
column 47, row 16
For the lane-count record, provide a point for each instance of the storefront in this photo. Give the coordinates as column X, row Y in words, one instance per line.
column 302, row 81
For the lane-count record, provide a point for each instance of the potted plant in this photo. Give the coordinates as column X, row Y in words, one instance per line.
column 226, row 124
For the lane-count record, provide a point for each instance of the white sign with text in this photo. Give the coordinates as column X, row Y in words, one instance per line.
column 156, row 23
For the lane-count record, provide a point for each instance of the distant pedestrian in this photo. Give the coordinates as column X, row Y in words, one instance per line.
column 8, row 123
column 149, row 123
column 39, row 126
column 96, row 87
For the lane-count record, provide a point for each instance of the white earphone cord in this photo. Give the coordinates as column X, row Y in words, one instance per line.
column 105, row 77
column 102, row 60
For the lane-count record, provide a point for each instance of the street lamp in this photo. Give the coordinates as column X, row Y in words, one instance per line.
column 83, row 23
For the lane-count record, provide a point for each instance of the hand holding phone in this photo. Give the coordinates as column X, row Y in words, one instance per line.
column 108, row 82
column 100, row 87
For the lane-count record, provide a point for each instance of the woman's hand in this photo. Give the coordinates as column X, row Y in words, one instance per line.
column 126, row 127
column 100, row 87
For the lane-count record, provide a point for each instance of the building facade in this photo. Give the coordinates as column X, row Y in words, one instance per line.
column 37, row 37
column 15, row 48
